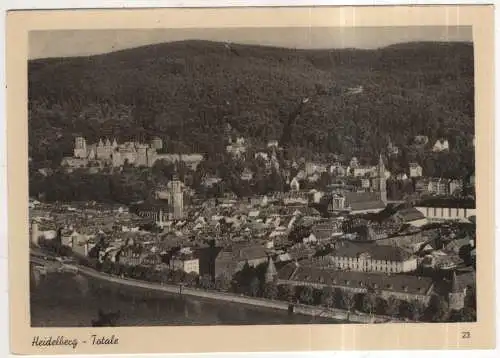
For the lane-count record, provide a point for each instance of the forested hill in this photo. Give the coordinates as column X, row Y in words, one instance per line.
column 187, row 92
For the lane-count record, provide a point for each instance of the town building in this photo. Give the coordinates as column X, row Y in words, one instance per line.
column 356, row 203
column 402, row 287
column 272, row 144
column 315, row 196
column 338, row 170
column 246, row 175
column 232, row 259
column 157, row 211
column 185, row 261
column 416, row 170
column 441, row 145
column 294, row 184
column 409, row 216
column 369, row 258
column 313, row 168
column 447, row 209
column 421, row 140
column 438, row 186
column 237, row 148
column 434, row 213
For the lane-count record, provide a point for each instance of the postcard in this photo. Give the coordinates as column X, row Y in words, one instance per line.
column 250, row 179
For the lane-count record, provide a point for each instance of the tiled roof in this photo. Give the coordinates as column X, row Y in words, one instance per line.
column 409, row 214
column 364, row 201
column 322, row 234
column 285, row 273
column 395, row 283
column 376, row 252
column 243, row 253
column 448, row 203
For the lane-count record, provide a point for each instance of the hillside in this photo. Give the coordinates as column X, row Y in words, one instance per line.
column 187, row 92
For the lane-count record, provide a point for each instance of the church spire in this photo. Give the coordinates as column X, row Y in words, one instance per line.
column 271, row 272
column 455, row 287
column 175, row 175
column 381, row 179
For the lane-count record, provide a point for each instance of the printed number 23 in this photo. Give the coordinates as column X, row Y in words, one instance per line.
column 466, row 334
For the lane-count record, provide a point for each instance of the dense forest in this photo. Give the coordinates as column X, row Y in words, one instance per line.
column 188, row 92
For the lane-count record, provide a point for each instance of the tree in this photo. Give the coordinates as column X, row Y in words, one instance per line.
column 222, row 282
column 243, row 278
column 306, row 295
column 254, row 286
column 381, row 306
column 348, row 300
column 437, row 310
column 465, row 254
column 469, row 314
column 107, row 266
column 270, row 290
column 117, row 268
column 191, row 279
column 286, row 292
column 416, row 309
column 328, row 296
column 463, row 315
column 369, row 302
column 470, row 298
column 178, row 276
column 206, row 282
column 298, row 233
column 393, row 306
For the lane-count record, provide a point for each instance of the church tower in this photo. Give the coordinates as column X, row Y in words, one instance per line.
column 176, row 198
column 382, row 180
column 80, row 150
column 456, row 297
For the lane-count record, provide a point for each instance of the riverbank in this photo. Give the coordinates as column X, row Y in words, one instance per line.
column 337, row 314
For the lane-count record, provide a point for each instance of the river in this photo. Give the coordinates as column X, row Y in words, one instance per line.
column 68, row 300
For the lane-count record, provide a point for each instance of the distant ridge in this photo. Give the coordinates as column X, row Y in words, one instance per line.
column 188, row 91
column 220, row 44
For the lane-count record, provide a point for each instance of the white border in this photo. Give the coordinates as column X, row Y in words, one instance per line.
column 6, row 5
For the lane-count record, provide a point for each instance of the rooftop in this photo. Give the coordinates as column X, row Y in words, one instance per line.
column 395, row 283
column 376, row 252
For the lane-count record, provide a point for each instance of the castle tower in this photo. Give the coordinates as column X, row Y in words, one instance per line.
column 100, row 150
column 80, row 150
column 456, row 297
column 116, row 159
column 35, row 234
column 271, row 272
column 382, row 180
column 177, row 198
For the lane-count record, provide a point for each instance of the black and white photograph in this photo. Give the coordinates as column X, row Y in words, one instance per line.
column 251, row 176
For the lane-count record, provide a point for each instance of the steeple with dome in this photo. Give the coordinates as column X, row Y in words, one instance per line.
column 382, row 188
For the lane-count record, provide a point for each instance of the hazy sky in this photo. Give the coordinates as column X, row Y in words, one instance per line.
column 63, row 43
